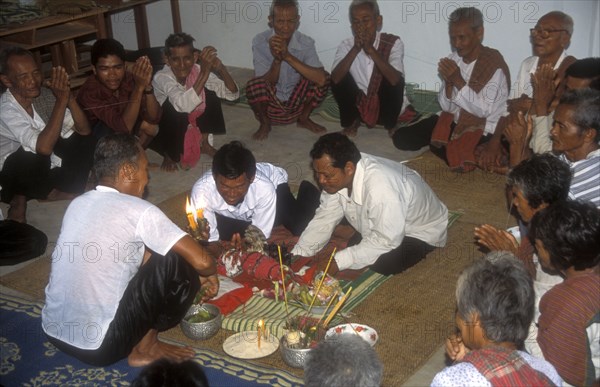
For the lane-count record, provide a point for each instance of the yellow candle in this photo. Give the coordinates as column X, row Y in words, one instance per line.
column 190, row 215
column 199, row 213
column 259, row 333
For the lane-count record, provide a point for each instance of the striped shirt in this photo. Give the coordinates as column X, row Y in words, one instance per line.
column 569, row 334
column 585, row 185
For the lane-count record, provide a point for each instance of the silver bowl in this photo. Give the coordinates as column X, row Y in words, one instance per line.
column 292, row 357
column 202, row 330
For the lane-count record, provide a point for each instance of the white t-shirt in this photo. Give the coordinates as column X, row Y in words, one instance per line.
column 258, row 207
column 100, row 248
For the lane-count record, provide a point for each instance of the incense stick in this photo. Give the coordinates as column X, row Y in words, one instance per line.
column 287, row 312
column 322, row 279
column 336, row 308
column 327, row 307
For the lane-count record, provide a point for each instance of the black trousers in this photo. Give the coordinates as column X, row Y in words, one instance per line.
column 157, row 297
column 293, row 213
column 410, row 252
column 390, row 100
column 29, row 174
column 173, row 125
column 20, row 242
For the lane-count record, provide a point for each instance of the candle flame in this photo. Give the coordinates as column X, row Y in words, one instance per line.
column 188, row 207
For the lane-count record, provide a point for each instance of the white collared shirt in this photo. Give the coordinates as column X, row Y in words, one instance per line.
column 185, row 101
column 362, row 66
column 388, row 202
column 258, row 207
column 489, row 103
column 529, row 67
column 18, row 128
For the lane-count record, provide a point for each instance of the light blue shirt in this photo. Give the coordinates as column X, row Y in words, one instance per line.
column 300, row 46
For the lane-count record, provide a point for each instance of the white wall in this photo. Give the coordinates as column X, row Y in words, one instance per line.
column 230, row 25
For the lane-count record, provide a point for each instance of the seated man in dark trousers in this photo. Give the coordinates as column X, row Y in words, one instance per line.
column 290, row 80
column 39, row 159
column 121, row 270
column 239, row 192
column 475, row 84
column 398, row 216
column 368, row 74
column 117, row 100
column 189, row 96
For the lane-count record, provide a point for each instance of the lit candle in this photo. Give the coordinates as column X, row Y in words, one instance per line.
column 260, row 328
column 190, row 214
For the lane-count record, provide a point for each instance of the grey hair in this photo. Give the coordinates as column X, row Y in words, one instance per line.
column 8, row 53
column 114, row 151
column 347, row 360
column 566, row 21
column 586, row 114
column 499, row 289
column 282, row 3
column 357, row 3
column 470, row 14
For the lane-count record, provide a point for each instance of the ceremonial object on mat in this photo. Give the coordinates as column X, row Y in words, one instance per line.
column 204, row 329
column 321, row 282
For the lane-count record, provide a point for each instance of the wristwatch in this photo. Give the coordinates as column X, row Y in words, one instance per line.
column 149, row 91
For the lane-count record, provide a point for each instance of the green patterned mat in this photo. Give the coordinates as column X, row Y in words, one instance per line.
column 424, row 101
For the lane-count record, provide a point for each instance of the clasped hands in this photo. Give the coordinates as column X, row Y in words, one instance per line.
column 495, row 239
column 279, row 47
column 59, row 83
column 450, row 72
column 364, row 41
column 209, row 61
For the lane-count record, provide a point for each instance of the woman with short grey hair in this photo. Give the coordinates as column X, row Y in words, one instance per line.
column 495, row 305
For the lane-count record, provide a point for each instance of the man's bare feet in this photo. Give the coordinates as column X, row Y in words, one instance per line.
column 168, row 165
column 351, row 130
column 206, row 148
column 18, row 209
column 55, row 195
column 262, row 132
column 150, row 349
column 309, row 124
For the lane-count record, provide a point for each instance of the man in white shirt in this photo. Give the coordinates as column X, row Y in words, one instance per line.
column 475, row 84
column 239, row 192
column 39, row 160
column 398, row 216
column 369, row 66
column 121, row 270
column 189, row 95
column 539, row 86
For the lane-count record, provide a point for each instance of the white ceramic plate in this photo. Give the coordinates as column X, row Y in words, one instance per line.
column 244, row 345
column 364, row 331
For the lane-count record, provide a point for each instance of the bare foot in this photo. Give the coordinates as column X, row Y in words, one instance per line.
column 18, row 209
column 351, row 130
column 168, row 165
column 309, row 124
column 207, row 148
column 150, row 349
column 262, row 132
column 59, row 195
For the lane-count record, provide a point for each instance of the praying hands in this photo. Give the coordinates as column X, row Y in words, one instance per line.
column 496, row 240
